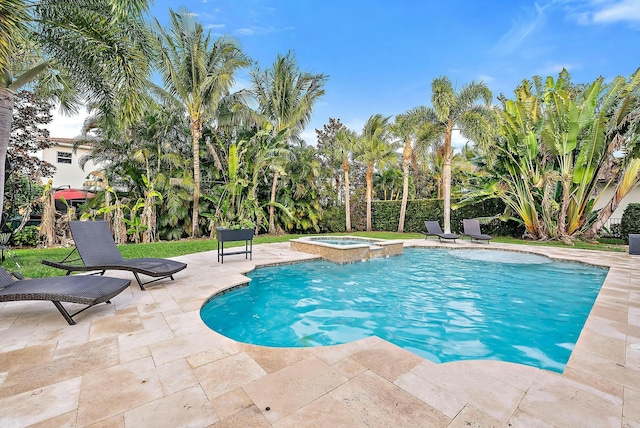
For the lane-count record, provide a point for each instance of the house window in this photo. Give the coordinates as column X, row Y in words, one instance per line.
column 64, row 157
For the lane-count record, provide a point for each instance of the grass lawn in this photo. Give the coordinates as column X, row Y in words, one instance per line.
column 31, row 266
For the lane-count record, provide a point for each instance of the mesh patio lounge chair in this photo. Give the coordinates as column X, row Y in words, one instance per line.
column 83, row 289
column 98, row 252
column 472, row 230
column 433, row 229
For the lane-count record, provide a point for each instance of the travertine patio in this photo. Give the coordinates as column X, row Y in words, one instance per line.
column 148, row 360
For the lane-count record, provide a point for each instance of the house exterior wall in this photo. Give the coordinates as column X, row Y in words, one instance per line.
column 65, row 159
column 605, row 197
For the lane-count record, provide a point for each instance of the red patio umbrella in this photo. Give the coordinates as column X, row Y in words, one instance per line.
column 73, row 194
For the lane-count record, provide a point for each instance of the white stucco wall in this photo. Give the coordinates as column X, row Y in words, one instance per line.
column 68, row 173
column 605, row 197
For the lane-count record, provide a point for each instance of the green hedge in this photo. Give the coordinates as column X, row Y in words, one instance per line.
column 333, row 220
column 630, row 222
column 386, row 214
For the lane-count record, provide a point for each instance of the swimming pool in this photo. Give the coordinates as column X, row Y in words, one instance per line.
column 445, row 305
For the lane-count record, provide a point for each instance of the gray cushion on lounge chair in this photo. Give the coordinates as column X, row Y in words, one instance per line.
column 98, row 252
column 433, row 229
column 83, row 289
column 472, row 230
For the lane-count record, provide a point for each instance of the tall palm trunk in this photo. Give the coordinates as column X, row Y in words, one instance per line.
column 6, row 118
column 369, row 194
column 272, row 208
column 214, row 153
column 562, row 218
column 347, row 204
column 446, row 177
column 196, row 133
column 406, row 161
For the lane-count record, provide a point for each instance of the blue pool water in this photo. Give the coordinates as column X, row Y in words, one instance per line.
column 342, row 241
column 445, row 305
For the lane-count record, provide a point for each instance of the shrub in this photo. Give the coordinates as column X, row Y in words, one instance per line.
column 387, row 213
column 614, row 230
column 27, row 237
column 333, row 220
column 630, row 222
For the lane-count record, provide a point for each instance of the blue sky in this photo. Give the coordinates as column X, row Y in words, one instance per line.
column 381, row 56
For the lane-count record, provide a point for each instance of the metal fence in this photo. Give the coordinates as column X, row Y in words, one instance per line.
column 612, row 228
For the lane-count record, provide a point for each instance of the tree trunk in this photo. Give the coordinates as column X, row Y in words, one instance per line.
column 47, row 231
column 369, row 195
column 196, row 133
column 148, row 218
column 347, row 204
column 119, row 227
column 562, row 219
column 406, row 161
column 272, row 208
column 446, row 178
column 216, row 158
column 6, row 118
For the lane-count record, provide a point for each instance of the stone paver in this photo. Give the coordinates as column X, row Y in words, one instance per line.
column 148, row 360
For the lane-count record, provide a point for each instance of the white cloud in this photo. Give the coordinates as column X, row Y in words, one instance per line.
column 251, row 31
column 207, row 15
column 601, row 11
column 486, row 78
column 625, row 10
column 309, row 136
column 552, row 69
column 65, row 126
column 520, row 30
column 457, row 140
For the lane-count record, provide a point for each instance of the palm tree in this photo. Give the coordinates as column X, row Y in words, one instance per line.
column 389, row 181
column 376, row 149
column 286, row 97
column 197, row 74
column 406, row 127
column 347, row 142
column 469, row 111
column 92, row 51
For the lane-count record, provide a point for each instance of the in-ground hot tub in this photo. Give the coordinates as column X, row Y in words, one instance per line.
column 347, row 249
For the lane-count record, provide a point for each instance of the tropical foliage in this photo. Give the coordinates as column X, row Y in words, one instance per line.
column 91, row 51
column 469, row 111
column 286, row 97
column 557, row 143
column 195, row 152
column 376, row 149
column 198, row 74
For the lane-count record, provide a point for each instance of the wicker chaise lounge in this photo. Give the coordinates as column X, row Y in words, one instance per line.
column 472, row 230
column 98, row 252
column 433, row 229
column 83, row 289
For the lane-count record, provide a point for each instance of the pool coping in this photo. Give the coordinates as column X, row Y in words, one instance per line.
column 156, row 337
